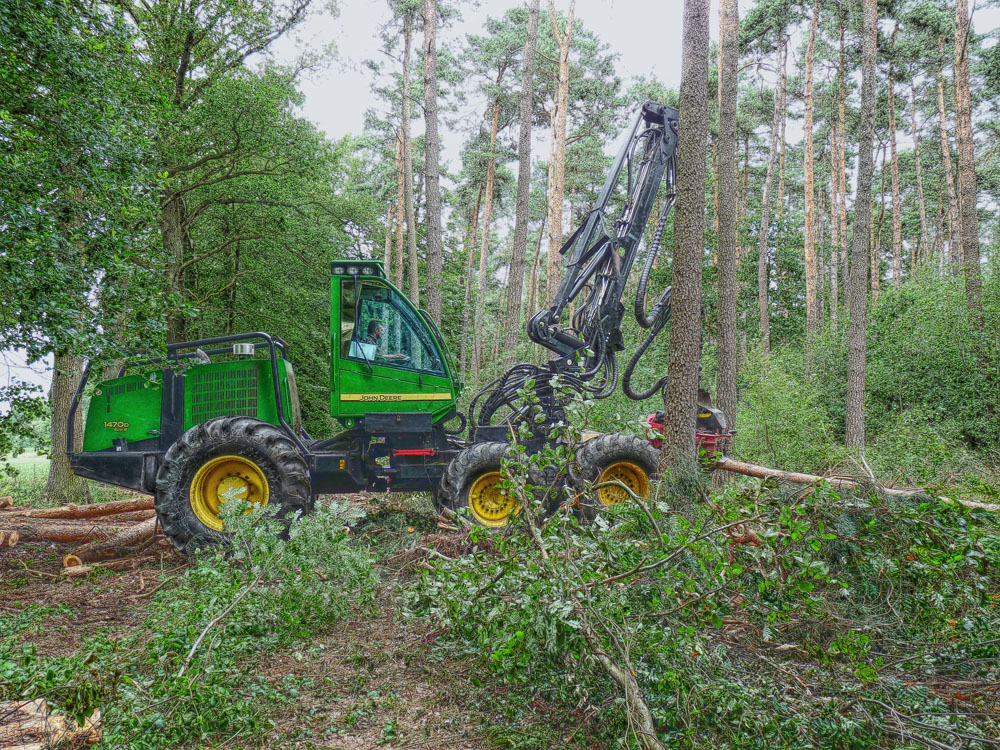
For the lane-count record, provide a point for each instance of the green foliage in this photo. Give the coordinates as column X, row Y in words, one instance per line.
column 155, row 689
column 781, row 419
column 751, row 618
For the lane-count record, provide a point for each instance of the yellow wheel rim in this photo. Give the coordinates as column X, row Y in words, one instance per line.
column 222, row 479
column 629, row 474
column 488, row 503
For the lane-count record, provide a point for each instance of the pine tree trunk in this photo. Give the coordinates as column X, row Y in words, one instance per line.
column 857, row 344
column 398, row 261
column 954, row 247
column 515, row 277
column 413, row 279
column 834, row 228
column 876, row 240
column 64, row 487
column 897, row 212
column 842, row 170
column 726, row 208
column 818, row 241
column 470, row 254
column 922, row 245
column 170, row 235
column 763, row 241
column 812, row 306
column 689, row 226
column 557, row 173
column 783, row 93
column 389, row 228
column 967, row 194
column 432, row 177
column 484, row 243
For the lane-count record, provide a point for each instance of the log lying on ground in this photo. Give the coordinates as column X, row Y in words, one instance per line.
column 10, row 519
column 28, row 725
column 66, row 532
column 95, row 510
column 115, row 546
column 125, row 563
column 5, row 501
column 763, row 472
column 9, row 538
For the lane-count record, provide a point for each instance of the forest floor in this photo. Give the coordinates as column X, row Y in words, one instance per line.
column 376, row 678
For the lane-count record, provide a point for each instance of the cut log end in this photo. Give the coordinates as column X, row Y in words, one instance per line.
column 71, row 561
column 5, row 501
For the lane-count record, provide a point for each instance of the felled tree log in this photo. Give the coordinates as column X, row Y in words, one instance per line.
column 5, row 501
column 126, row 563
column 95, row 510
column 9, row 538
column 66, row 532
column 763, row 472
column 11, row 518
column 28, row 725
column 116, row 546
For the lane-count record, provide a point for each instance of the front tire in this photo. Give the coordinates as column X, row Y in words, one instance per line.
column 222, row 459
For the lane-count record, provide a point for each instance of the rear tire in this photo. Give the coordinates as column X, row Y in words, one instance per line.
column 626, row 458
column 224, row 458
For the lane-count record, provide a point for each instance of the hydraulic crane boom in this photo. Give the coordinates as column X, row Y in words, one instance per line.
column 598, row 261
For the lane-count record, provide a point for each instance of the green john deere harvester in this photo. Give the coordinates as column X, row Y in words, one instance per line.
column 218, row 419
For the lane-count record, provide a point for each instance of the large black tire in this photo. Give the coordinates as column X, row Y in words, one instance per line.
column 478, row 461
column 262, row 445
column 629, row 459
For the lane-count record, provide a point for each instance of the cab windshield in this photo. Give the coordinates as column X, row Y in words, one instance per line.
column 379, row 327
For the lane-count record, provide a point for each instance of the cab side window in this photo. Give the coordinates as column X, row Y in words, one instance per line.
column 379, row 327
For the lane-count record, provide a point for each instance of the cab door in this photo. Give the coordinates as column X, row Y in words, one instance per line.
column 387, row 358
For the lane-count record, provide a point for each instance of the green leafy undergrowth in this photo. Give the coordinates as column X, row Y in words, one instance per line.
column 187, row 675
column 750, row 617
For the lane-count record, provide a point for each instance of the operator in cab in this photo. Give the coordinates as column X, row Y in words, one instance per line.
column 375, row 332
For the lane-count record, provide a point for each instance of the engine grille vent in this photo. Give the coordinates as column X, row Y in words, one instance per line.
column 115, row 390
column 230, row 393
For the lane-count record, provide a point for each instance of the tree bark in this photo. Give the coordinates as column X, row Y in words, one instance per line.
column 484, row 244
column 834, row 227
column 432, row 178
column 470, row 253
column 922, row 246
column 557, row 173
column 842, row 169
column 413, row 278
column 398, row 259
column 763, row 240
column 954, row 247
column 897, row 212
column 515, row 276
column 876, row 241
column 726, row 208
column 62, row 485
column 812, row 306
column 783, row 93
column 967, row 194
column 857, row 344
column 117, row 545
column 689, row 230
column 387, row 252
column 91, row 510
